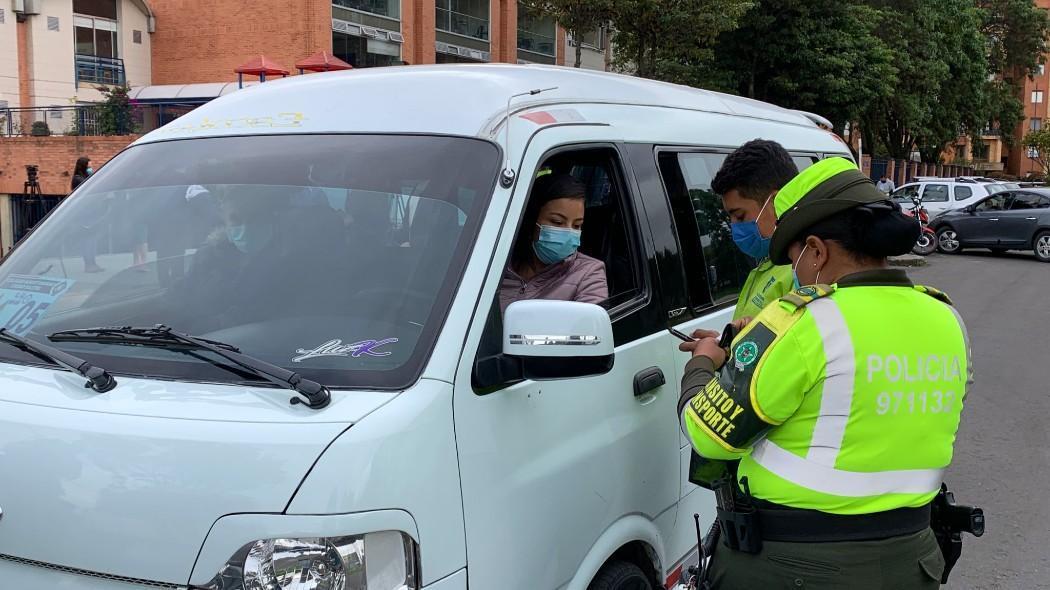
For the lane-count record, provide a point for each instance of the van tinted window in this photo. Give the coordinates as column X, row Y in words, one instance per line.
column 715, row 267
column 333, row 256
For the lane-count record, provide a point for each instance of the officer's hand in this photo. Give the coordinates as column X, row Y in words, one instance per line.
column 705, row 347
column 742, row 323
column 701, row 334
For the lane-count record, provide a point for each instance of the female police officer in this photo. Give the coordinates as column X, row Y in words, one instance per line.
column 841, row 400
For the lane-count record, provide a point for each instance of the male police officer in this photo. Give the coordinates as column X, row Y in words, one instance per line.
column 747, row 181
column 840, row 400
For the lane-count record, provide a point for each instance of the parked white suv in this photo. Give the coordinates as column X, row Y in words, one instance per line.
column 944, row 194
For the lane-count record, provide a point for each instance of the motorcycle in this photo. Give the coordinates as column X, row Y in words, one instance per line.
column 927, row 242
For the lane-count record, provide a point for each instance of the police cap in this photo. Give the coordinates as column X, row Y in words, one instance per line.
column 818, row 192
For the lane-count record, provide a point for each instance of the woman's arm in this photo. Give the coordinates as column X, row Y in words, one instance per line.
column 594, row 286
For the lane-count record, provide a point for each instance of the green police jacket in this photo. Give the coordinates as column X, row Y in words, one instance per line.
column 766, row 283
column 842, row 398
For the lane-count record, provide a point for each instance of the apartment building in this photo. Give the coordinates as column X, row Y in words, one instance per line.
column 365, row 33
column 56, row 53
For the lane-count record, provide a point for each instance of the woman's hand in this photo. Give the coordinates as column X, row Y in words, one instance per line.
column 742, row 323
column 706, row 346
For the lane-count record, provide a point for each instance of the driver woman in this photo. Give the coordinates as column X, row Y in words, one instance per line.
column 545, row 263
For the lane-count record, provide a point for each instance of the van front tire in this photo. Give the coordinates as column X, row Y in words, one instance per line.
column 620, row 575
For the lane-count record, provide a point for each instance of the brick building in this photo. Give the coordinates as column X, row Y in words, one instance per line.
column 224, row 33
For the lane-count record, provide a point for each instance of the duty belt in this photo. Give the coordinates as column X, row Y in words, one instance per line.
column 796, row 525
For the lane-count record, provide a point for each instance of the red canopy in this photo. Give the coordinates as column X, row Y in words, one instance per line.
column 261, row 66
column 322, row 61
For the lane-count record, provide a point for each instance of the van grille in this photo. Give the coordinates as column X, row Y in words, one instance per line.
column 133, row 582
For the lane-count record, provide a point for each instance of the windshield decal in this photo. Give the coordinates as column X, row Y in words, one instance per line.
column 24, row 299
column 337, row 348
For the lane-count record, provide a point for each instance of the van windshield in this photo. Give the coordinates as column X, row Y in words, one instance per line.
column 334, row 256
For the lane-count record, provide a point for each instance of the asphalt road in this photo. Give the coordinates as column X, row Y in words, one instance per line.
column 1002, row 454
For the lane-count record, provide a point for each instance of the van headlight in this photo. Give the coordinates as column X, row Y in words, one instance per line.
column 385, row 560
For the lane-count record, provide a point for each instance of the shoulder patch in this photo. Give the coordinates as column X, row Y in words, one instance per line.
column 803, row 296
column 936, row 294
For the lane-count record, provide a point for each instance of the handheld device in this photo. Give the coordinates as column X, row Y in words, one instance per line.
column 680, row 335
column 728, row 334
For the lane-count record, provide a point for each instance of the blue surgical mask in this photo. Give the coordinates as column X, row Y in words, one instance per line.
column 90, row 171
column 794, row 270
column 556, row 243
column 249, row 239
column 749, row 239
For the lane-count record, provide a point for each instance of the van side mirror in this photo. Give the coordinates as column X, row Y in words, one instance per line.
column 558, row 339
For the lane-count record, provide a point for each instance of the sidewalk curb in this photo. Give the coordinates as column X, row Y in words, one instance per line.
column 908, row 260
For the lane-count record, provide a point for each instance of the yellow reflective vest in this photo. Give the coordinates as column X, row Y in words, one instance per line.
column 842, row 398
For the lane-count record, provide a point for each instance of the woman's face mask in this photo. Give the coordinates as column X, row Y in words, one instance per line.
column 249, row 239
column 555, row 244
column 90, row 171
column 794, row 269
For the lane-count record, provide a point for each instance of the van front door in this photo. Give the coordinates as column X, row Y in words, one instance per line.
column 559, row 475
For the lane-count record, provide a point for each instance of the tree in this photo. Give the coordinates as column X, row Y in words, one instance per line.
column 816, row 55
column 1016, row 31
column 577, row 17
column 1038, row 145
column 114, row 113
column 667, row 39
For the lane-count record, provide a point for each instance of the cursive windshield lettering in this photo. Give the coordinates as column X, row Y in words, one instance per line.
column 337, row 348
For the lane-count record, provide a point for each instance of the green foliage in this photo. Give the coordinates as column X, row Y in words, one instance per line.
column 671, row 39
column 1040, row 142
column 821, row 56
column 114, row 113
column 40, row 129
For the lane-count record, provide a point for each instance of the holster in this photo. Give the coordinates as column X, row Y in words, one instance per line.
column 948, row 521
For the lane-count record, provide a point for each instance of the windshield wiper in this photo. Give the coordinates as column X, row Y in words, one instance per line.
column 98, row 378
column 316, row 395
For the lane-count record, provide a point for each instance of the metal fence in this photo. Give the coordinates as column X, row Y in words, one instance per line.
column 462, row 24
column 91, row 120
column 94, row 69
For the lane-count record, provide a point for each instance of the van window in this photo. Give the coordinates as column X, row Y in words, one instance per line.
column 962, row 192
column 803, row 162
column 935, row 193
column 333, row 256
column 610, row 235
column 715, row 268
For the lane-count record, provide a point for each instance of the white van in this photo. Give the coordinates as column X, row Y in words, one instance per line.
column 383, row 426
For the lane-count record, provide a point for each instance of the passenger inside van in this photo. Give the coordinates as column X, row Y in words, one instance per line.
column 545, row 263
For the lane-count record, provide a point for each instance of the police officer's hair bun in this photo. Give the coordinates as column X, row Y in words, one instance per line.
column 876, row 230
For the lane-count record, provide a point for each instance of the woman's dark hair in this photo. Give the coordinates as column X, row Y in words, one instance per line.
column 873, row 231
column 546, row 189
column 81, row 166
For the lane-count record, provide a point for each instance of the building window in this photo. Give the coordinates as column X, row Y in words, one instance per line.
column 1033, row 153
column 594, row 39
column 1037, row 96
column 1035, row 124
column 362, row 52
column 464, row 17
column 387, row 8
column 101, row 8
column 95, row 36
column 536, row 33
column 136, row 37
column 1042, row 69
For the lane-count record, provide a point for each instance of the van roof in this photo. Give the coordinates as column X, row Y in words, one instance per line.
column 458, row 99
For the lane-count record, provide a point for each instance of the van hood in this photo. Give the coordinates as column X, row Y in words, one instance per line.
column 128, row 483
